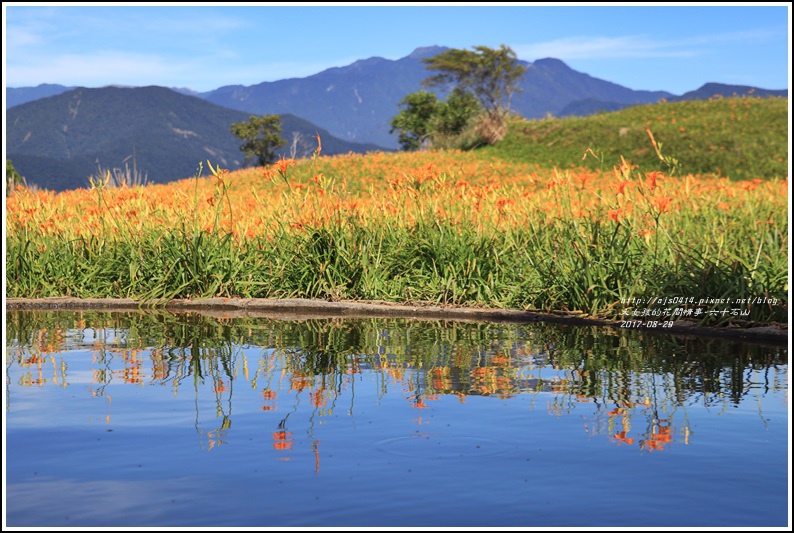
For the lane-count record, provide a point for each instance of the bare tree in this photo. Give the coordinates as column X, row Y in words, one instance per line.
column 293, row 147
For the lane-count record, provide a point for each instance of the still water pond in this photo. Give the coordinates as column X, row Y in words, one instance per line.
column 154, row 419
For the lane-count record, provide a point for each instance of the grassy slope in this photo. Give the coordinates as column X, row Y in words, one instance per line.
column 739, row 138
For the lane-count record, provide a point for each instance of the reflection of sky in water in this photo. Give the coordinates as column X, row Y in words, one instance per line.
column 490, row 432
column 124, row 500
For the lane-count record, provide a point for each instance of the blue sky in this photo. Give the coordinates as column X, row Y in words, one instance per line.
column 676, row 48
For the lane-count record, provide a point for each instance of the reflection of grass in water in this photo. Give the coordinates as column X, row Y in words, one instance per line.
column 623, row 376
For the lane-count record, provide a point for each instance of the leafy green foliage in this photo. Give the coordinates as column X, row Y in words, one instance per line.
column 456, row 113
column 738, row 138
column 485, row 81
column 261, row 137
column 426, row 121
column 491, row 75
column 413, row 123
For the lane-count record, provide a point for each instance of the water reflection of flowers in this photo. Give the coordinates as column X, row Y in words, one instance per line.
column 659, row 436
column 282, row 440
column 268, row 396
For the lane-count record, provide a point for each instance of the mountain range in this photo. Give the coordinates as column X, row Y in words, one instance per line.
column 59, row 141
column 357, row 102
column 352, row 104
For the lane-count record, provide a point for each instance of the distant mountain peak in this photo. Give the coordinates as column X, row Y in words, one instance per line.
column 367, row 62
column 551, row 62
column 711, row 89
column 427, row 51
column 724, row 87
column 713, row 85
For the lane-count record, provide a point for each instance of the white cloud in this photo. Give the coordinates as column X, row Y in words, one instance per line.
column 102, row 68
column 77, row 29
column 632, row 46
column 27, row 28
column 599, row 48
column 93, row 69
column 181, row 47
column 22, row 37
column 757, row 35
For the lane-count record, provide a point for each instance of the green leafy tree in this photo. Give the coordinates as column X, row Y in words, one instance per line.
column 414, row 121
column 491, row 75
column 456, row 113
column 425, row 120
column 261, row 138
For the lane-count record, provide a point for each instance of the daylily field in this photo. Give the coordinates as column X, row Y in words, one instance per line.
column 446, row 227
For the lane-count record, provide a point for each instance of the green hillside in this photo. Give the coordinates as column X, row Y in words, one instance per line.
column 738, row 138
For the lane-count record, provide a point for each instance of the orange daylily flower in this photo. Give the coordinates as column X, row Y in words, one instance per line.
column 651, row 179
column 662, row 203
column 282, row 165
column 319, row 145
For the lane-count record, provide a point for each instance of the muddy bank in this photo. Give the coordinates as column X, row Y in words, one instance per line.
column 301, row 309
